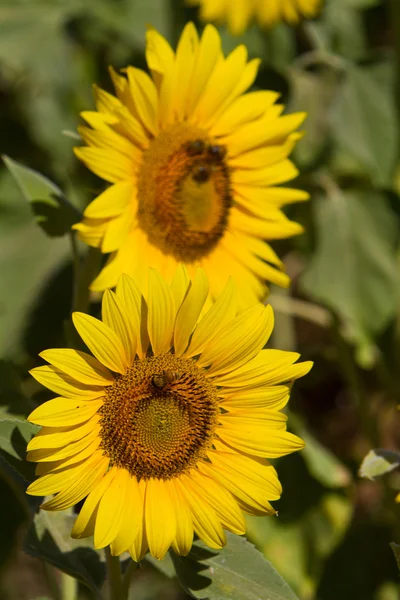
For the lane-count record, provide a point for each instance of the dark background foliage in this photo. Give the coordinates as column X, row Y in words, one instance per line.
column 331, row 539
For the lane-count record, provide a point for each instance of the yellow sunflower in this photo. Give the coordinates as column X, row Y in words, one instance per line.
column 166, row 430
column 267, row 13
column 194, row 164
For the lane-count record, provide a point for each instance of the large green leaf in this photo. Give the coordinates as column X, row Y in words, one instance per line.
column 354, row 269
column 14, row 436
column 49, row 538
column 363, row 121
column 53, row 212
column 238, row 572
column 27, row 260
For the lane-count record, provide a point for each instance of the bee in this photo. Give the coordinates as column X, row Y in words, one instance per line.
column 162, row 380
column 216, row 152
column 196, row 147
column 201, row 173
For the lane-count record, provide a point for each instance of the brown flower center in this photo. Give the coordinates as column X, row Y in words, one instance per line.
column 159, row 418
column 184, row 193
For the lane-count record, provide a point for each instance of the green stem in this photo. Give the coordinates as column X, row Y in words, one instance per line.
column 69, row 587
column 75, row 265
column 126, row 581
column 85, row 275
column 113, row 576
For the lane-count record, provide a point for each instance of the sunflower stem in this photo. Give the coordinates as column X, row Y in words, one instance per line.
column 113, row 576
column 84, row 277
column 69, row 587
column 75, row 265
column 126, row 580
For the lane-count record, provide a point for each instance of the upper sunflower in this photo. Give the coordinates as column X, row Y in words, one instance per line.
column 194, row 163
column 166, row 430
column 267, row 13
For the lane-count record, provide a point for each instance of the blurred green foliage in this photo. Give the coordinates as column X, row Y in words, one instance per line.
column 331, row 539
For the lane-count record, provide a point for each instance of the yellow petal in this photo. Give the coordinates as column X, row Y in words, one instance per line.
column 64, row 412
column 140, row 545
column 54, row 437
column 207, row 55
column 184, row 63
column 85, row 522
column 205, row 521
column 184, row 524
column 222, row 312
column 115, row 317
column 221, row 500
column 245, row 340
column 102, row 341
column 230, row 337
column 131, row 300
column 255, row 398
column 244, row 109
column 80, row 365
column 62, row 383
column 260, row 440
column 112, row 202
column 268, row 367
column 107, row 138
column 110, row 508
column 116, row 231
column 52, row 454
column 189, row 311
column 161, row 313
column 179, row 285
column 159, row 54
column 54, row 482
column 81, row 486
column 44, row 468
column 144, row 95
column 160, row 518
column 132, row 517
column 107, row 164
column 253, row 496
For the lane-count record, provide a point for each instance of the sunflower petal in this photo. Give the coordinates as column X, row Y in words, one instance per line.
column 102, row 341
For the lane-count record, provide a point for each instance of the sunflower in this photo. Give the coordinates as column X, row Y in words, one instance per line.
column 267, row 13
column 166, row 429
column 194, row 164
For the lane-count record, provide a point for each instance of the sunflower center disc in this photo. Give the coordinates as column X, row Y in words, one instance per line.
column 159, row 418
column 184, row 193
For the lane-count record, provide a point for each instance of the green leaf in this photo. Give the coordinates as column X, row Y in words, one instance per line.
column 379, row 462
column 27, row 260
column 53, row 212
column 355, row 260
column 238, row 572
column 49, row 538
column 310, row 93
column 363, row 122
column 14, row 437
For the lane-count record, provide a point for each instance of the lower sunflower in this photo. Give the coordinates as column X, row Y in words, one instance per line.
column 267, row 13
column 166, row 430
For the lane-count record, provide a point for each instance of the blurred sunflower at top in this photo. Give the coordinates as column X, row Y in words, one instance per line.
column 267, row 13
column 195, row 165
